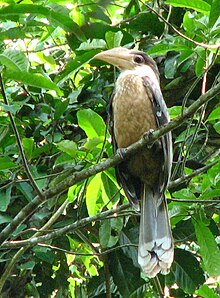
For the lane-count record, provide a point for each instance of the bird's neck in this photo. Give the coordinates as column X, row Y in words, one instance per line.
column 141, row 71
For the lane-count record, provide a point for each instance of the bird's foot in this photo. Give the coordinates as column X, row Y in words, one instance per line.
column 121, row 152
column 148, row 136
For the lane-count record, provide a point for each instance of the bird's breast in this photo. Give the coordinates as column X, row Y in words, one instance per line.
column 132, row 110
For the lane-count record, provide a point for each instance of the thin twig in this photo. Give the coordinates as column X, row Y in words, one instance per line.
column 203, row 45
column 20, row 147
column 188, row 177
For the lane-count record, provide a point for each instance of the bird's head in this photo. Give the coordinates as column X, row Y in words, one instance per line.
column 126, row 59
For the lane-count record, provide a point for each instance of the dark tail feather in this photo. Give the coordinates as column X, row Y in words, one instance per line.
column 155, row 253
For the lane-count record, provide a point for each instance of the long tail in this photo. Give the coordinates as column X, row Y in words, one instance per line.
column 155, row 253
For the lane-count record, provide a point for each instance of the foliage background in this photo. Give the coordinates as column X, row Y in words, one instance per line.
column 53, row 107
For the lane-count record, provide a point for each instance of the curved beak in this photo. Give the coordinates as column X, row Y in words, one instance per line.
column 119, row 57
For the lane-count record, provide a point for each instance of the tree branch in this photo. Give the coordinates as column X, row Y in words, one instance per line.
column 148, row 139
column 58, row 232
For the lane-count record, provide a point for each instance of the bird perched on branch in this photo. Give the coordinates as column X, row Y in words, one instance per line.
column 137, row 106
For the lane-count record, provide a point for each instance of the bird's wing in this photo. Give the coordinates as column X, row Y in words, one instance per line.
column 162, row 117
column 130, row 184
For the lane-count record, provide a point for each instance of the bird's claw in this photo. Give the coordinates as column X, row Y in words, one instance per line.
column 121, row 152
column 147, row 136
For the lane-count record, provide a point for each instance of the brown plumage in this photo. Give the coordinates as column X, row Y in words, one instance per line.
column 137, row 106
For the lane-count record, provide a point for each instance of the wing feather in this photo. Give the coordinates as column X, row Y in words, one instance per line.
column 162, row 117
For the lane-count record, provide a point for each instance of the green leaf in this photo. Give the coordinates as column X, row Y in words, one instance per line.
column 113, row 39
column 184, row 194
column 75, row 65
column 27, row 190
column 214, row 115
column 27, row 265
column 110, row 193
column 125, row 275
column 161, row 49
column 14, row 60
column 214, row 12
column 217, row 127
column 92, row 45
column 198, row 5
column 68, row 147
column 105, row 233
column 188, row 274
column 175, row 111
column 5, row 196
column 6, row 164
column 5, row 218
column 46, row 256
column 28, row 145
column 206, row 292
column 60, row 19
column 32, row 79
column 146, row 23
column 93, row 193
column 208, row 248
column 91, row 123
column 189, row 22
column 200, row 63
column 170, row 67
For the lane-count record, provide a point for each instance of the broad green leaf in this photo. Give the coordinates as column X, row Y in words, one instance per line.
column 75, row 65
column 68, row 146
column 161, row 49
column 64, row 159
column 46, row 256
column 110, row 193
column 184, row 194
column 6, row 164
column 189, row 22
column 92, row 45
column 217, row 127
column 27, row 190
column 113, row 39
column 125, row 275
column 91, row 123
column 105, row 233
column 215, row 114
column 27, row 265
column 5, row 196
column 14, row 60
column 3, row 131
column 206, row 292
column 198, row 5
column 146, row 23
column 188, row 274
column 93, row 193
column 170, row 67
column 175, row 111
column 214, row 12
column 200, row 63
column 32, row 79
column 57, row 18
column 208, row 248
column 28, row 145
column 5, row 218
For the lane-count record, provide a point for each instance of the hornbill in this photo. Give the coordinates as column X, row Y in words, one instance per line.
column 137, row 106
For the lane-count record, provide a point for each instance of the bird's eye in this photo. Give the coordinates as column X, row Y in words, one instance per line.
column 138, row 59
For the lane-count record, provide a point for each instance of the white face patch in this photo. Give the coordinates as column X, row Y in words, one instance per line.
column 142, row 71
